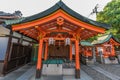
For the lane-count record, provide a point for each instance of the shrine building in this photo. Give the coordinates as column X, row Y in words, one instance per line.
column 105, row 49
column 58, row 32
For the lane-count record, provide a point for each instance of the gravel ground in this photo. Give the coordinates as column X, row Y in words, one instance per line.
column 93, row 73
column 112, row 68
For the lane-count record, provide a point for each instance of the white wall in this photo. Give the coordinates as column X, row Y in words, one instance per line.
column 16, row 34
column 4, row 31
column 3, row 47
column 25, row 43
column 14, row 40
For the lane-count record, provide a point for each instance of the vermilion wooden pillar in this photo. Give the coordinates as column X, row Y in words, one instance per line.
column 71, row 52
column 113, row 51
column 46, row 51
column 77, row 60
column 39, row 61
column 96, row 51
column 104, row 52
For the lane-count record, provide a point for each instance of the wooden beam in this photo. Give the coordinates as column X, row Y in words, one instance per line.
column 70, row 32
column 72, row 39
column 39, row 29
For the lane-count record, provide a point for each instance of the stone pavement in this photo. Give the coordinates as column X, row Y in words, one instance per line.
column 27, row 72
column 114, row 69
column 94, row 72
column 106, row 73
column 17, row 73
column 84, row 76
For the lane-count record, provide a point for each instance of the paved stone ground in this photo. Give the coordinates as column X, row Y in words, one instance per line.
column 94, row 72
column 103, row 71
column 17, row 73
column 114, row 69
column 84, row 76
column 27, row 72
column 106, row 73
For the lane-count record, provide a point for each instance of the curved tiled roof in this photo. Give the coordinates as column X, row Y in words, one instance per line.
column 57, row 6
column 104, row 39
column 86, row 43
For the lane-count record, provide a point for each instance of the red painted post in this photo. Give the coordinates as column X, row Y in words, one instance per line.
column 70, row 52
column 77, row 60
column 113, row 51
column 46, row 51
column 39, row 61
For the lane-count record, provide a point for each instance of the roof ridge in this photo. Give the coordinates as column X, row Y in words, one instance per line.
column 60, row 3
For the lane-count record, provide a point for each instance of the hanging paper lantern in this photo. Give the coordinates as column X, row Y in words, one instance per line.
column 67, row 41
column 51, row 41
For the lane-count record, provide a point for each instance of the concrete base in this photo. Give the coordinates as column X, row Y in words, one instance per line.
column 77, row 74
column 1, row 68
column 119, row 58
column 84, row 76
column 87, row 61
column 38, row 74
column 108, row 61
column 52, row 69
column 68, row 71
column 99, row 59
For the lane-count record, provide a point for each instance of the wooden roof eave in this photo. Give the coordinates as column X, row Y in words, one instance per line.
column 65, row 8
column 58, row 13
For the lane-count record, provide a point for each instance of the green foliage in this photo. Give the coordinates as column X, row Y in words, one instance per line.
column 111, row 15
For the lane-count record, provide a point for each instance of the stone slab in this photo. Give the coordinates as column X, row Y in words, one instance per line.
column 52, row 69
column 68, row 71
column 108, row 61
column 106, row 73
column 27, row 74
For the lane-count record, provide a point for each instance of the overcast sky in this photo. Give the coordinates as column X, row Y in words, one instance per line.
column 31, row 7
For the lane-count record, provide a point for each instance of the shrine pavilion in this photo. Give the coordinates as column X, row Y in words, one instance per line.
column 58, row 32
column 105, row 49
column 87, row 52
